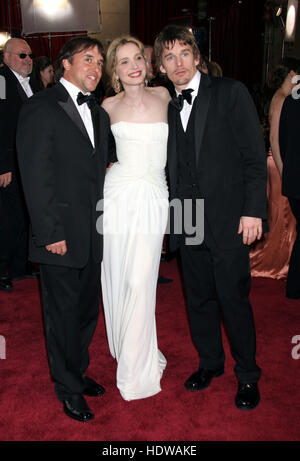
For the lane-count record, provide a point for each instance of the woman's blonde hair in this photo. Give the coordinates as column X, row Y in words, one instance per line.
column 111, row 58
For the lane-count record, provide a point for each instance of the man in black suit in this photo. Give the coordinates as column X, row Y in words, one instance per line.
column 13, row 216
column 63, row 162
column 290, row 153
column 215, row 152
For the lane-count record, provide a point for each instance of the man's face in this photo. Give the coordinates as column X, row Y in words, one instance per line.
column 179, row 63
column 85, row 70
column 12, row 57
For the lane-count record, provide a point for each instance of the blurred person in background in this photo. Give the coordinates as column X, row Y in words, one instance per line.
column 14, row 222
column 44, row 72
column 282, row 81
column 290, row 155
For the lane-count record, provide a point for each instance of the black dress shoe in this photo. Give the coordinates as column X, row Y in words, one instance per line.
column 5, row 284
column 92, row 389
column 247, row 397
column 76, row 407
column 202, row 379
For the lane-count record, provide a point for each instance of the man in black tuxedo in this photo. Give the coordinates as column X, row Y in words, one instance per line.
column 13, row 215
column 62, row 163
column 215, row 152
column 290, row 153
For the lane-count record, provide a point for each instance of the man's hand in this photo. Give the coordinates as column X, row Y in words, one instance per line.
column 59, row 248
column 251, row 229
column 5, row 179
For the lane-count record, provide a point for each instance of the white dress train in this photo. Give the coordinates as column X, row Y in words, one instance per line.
column 135, row 219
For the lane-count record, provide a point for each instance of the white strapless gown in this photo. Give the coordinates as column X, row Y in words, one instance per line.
column 135, row 220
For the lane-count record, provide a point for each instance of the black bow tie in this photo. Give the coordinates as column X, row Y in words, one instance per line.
column 90, row 99
column 178, row 101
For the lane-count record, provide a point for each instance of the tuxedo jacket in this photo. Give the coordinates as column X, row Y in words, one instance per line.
column 230, row 159
column 63, row 175
column 9, row 113
column 290, row 147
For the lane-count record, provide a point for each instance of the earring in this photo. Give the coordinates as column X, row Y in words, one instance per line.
column 116, row 84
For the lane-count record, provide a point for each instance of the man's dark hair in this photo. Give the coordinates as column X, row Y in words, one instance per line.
column 72, row 47
column 166, row 39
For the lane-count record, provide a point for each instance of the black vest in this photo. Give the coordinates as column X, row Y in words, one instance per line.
column 187, row 182
column 188, row 186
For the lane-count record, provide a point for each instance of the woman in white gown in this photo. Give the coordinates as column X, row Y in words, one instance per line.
column 135, row 219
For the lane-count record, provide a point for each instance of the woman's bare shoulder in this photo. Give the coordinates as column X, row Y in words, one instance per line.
column 276, row 103
column 109, row 103
column 161, row 92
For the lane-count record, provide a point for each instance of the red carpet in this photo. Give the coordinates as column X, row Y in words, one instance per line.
column 31, row 411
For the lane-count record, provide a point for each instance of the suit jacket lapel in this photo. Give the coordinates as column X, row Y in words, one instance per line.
column 202, row 106
column 68, row 106
column 21, row 92
column 9, row 74
column 96, row 125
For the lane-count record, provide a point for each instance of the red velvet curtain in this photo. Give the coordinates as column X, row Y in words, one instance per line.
column 237, row 38
column 148, row 17
column 11, row 20
column 10, row 17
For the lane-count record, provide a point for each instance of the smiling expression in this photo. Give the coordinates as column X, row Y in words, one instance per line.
column 85, row 70
column 130, row 65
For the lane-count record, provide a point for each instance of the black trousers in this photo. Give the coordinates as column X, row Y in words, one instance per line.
column 71, row 308
column 293, row 278
column 217, row 278
column 14, row 225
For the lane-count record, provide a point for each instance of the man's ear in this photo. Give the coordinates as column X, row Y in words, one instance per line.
column 197, row 60
column 66, row 64
column 162, row 69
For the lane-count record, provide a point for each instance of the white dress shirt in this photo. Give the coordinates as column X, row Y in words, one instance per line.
column 187, row 108
column 24, row 83
column 83, row 109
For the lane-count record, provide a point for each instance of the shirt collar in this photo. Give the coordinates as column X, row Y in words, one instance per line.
column 72, row 89
column 194, row 84
column 20, row 77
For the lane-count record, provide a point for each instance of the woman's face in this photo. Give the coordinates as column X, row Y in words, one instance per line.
column 47, row 75
column 130, row 65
